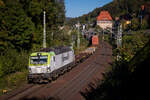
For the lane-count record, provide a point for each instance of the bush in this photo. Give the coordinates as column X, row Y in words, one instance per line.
column 12, row 61
column 144, row 24
column 135, row 24
column 13, row 81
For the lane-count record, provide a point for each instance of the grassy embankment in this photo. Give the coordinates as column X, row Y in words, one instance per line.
column 12, row 81
column 127, row 79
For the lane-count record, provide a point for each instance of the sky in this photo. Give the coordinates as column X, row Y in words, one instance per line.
column 76, row 8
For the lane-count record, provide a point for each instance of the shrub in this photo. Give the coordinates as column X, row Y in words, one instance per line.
column 11, row 61
column 144, row 24
column 135, row 24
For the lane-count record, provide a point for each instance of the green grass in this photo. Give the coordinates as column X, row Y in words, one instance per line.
column 13, row 81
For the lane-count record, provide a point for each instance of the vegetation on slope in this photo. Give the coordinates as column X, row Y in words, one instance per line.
column 128, row 78
column 125, row 9
column 21, row 32
column 21, row 22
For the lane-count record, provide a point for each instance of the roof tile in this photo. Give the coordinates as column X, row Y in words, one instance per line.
column 104, row 16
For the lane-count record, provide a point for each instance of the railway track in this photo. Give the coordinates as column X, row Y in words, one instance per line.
column 69, row 90
column 79, row 81
column 68, row 85
column 31, row 88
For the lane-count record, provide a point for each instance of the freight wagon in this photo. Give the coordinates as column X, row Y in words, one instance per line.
column 48, row 63
column 90, row 50
column 95, row 40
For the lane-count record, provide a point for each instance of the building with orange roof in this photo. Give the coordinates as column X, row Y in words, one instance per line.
column 104, row 20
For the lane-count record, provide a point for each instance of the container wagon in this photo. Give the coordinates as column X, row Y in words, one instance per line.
column 95, row 40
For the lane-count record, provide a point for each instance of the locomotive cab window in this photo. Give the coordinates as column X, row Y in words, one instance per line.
column 39, row 60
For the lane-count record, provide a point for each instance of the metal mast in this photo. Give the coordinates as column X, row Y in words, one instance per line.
column 119, row 36
column 119, row 39
column 103, row 35
column 44, row 30
column 78, row 41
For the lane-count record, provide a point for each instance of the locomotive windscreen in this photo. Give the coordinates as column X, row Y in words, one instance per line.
column 39, row 59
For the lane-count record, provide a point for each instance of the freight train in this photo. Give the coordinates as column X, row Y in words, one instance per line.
column 48, row 63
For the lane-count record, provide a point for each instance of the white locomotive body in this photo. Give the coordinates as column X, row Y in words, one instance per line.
column 49, row 63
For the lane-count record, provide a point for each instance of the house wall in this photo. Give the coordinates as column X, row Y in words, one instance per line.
column 105, row 24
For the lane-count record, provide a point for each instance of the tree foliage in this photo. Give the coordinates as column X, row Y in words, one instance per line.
column 117, row 8
column 16, row 26
column 135, row 24
column 21, row 30
column 127, row 80
column 21, row 22
column 12, row 61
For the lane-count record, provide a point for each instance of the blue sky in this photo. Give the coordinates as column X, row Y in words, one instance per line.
column 75, row 8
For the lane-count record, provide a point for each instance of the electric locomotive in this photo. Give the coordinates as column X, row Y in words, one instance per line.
column 49, row 63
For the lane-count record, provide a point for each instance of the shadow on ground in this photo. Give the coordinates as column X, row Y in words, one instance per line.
column 44, row 98
column 126, row 81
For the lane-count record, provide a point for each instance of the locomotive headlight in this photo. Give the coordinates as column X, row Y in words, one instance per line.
column 38, row 54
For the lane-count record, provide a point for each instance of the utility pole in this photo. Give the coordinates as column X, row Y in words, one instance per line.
column 103, row 34
column 111, row 33
column 119, row 39
column 52, row 36
column 73, row 40
column 78, row 41
column 83, row 29
column 44, row 30
column 119, row 36
column 141, row 17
